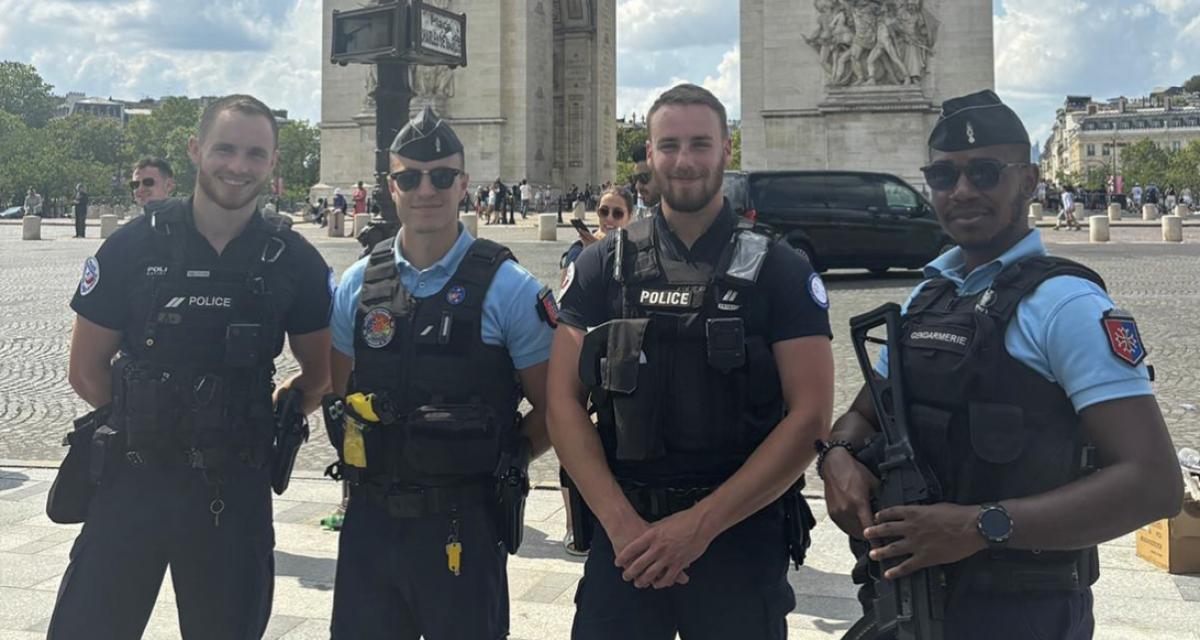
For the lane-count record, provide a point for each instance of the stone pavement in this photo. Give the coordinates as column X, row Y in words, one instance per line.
column 1133, row 599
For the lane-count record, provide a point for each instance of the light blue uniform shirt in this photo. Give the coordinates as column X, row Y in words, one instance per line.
column 510, row 317
column 1056, row 331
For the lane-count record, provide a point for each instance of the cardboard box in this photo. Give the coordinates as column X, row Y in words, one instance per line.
column 1173, row 544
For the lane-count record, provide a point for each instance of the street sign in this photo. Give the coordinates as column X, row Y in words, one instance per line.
column 402, row 32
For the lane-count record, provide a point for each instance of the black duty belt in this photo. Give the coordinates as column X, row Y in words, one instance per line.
column 416, row 502
column 983, row 574
column 656, row 503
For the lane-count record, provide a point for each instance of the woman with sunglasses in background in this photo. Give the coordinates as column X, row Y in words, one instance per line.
column 615, row 212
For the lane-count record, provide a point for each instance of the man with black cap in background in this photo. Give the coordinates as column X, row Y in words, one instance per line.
column 1028, row 399
column 437, row 336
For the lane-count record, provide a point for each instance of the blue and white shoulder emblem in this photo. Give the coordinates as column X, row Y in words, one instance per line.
column 817, row 291
column 91, row 276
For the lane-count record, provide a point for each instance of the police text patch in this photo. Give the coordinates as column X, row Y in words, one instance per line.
column 689, row 298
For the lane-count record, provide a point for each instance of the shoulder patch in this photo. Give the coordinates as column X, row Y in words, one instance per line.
column 817, row 291
column 378, row 328
column 1123, row 336
column 91, row 276
column 547, row 307
column 567, row 281
column 456, row 295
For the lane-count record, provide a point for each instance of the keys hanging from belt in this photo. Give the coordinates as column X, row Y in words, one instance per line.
column 454, row 548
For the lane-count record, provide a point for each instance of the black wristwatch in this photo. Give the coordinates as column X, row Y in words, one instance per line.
column 995, row 525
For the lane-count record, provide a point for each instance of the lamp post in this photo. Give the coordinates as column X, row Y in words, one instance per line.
column 393, row 35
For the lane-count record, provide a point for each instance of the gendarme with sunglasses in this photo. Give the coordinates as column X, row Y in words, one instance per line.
column 437, row 336
column 1029, row 403
column 691, row 331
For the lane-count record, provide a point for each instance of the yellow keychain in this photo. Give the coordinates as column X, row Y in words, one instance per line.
column 454, row 556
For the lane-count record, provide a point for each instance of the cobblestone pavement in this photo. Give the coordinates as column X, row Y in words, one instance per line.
column 1159, row 283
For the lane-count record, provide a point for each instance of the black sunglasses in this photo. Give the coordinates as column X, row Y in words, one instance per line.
column 617, row 213
column 410, row 179
column 643, row 178
column 982, row 173
column 145, row 182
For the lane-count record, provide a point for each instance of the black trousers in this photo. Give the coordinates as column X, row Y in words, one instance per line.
column 80, row 225
column 149, row 518
column 393, row 582
column 737, row 589
column 1035, row 616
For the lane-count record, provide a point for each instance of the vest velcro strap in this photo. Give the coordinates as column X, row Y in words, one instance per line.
column 1022, row 278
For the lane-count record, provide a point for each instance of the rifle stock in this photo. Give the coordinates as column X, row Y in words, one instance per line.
column 912, row 607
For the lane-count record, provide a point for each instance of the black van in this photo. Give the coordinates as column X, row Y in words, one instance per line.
column 843, row 219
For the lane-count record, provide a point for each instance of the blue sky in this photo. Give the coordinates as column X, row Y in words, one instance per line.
column 138, row 48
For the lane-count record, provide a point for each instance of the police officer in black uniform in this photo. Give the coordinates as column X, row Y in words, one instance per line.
column 1028, row 399
column 193, row 299
column 692, row 331
column 437, row 336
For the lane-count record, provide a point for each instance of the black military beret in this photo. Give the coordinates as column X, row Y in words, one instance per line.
column 426, row 137
column 976, row 120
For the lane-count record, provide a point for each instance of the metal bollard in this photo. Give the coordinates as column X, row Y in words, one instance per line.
column 1098, row 228
column 31, row 228
column 548, row 227
column 1172, row 229
column 470, row 223
column 108, row 224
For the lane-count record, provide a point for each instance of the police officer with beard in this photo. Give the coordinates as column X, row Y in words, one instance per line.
column 692, row 331
column 1028, row 399
column 437, row 336
column 193, row 299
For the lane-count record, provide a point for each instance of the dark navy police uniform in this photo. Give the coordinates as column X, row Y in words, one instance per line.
column 187, row 483
column 685, row 386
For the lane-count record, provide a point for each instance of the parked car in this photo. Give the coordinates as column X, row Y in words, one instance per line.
column 843, row 219
column 12, row 213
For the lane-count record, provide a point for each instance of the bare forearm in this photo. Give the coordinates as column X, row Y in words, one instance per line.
column 580, row 451
column 533, row 426
column 94, row 386
column 1107, row 504
column 854, row 428
column 313, row 384
column 774, row 466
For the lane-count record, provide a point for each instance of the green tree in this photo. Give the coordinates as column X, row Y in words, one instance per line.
column 165, row 133
column 299, row 159
column 1192, row 85
column 735, row 160
column 24, row 93
column 1183, row 168
column 627, row 140
column 1144, row 163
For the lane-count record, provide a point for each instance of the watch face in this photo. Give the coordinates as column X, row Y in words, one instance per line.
column 995, row 524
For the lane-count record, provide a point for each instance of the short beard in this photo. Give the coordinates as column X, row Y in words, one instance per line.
column 711, row 187
column 208, row 184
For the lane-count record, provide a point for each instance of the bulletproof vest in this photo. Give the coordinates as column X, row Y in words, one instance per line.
column 990, row 427
column 199, row 374
column 447, row 401
column 687, row 386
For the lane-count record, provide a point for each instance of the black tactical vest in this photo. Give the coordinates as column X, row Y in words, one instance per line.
column 447, row 401
column 199, row 375
column 685, row 386
column 990, row 427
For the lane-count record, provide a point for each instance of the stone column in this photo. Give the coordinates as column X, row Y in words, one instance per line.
column 361, row 220
column 1149, row 212
column 1114, row 212
column 337, row 224
column 470, row 223
column 1172, row 229
column 548, row 227
column 1079, row 211
column 580, row 212
column 108, row 224
column 1098, row 228
column 31, row 228
column 1182, row 211
column 1035, row 210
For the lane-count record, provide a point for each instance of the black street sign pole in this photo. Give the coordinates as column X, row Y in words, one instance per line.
column 393, row 94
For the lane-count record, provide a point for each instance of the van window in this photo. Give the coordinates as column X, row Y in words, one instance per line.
column 856, row 193
column 734, row 186
column 899, row 196
column 786, row 192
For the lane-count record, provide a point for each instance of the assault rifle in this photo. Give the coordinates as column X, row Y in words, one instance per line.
column 908, row 608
